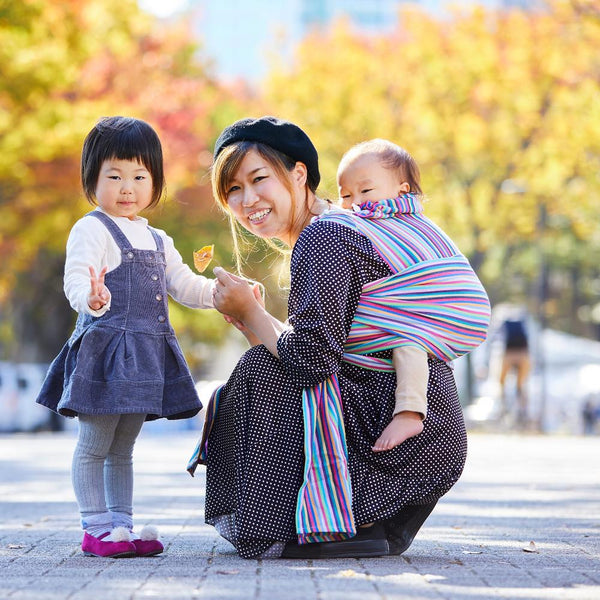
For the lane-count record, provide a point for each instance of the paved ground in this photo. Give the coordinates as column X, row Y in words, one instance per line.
column 476, row 544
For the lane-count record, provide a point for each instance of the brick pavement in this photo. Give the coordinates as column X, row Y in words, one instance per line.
column 476, row 544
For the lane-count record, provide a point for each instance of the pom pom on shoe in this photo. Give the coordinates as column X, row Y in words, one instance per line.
column 148, row 533
column 118, row 534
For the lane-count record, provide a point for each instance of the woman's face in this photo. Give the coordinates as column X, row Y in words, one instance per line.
column 262, row 203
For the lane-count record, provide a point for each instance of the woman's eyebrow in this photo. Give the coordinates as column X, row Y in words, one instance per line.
column 254, row 170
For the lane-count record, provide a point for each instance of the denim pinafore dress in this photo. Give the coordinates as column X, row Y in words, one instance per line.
column 128, row 360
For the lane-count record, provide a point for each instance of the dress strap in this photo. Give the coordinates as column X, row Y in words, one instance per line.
column 119, row 237
column 157, row 239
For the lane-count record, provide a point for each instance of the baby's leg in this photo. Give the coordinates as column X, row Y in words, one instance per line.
column 404, row 425
column 412, row 374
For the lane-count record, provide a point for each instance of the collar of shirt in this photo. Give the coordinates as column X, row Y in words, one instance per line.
column 384, row 209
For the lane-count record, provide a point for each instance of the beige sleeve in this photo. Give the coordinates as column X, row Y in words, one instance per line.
column 412, row 373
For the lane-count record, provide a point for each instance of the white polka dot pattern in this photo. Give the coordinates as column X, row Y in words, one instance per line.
column 255, row 457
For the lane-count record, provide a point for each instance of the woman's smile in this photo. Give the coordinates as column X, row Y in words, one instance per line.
column 258, row 216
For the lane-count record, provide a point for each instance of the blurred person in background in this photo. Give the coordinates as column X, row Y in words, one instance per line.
column 510, row 331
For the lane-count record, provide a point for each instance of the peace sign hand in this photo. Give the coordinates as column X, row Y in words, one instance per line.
column 99, row 295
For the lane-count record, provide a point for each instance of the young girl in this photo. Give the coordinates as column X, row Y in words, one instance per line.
column 445, row 310
column 122, row 365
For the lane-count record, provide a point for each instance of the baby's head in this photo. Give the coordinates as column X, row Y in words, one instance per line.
column 122, row 138
column 376, row 170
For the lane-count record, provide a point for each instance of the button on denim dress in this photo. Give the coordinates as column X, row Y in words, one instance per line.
column 128, row 360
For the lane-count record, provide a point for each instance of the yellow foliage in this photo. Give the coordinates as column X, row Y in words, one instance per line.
column 478, row 98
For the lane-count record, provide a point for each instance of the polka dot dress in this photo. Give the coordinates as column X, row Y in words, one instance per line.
column 255, row 456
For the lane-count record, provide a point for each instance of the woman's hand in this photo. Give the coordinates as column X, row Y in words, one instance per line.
column 99, row 295
column 235, row 298
column 244, row 308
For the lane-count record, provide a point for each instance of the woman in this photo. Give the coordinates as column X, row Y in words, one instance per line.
column 285, row 463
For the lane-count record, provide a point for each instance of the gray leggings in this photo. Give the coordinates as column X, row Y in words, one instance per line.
column 102, row 471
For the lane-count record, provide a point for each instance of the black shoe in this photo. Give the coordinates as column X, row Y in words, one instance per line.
column 402, row 529
column 368, row 542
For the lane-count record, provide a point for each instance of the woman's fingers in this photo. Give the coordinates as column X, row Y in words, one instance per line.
column 258, row 294
column 222, row 276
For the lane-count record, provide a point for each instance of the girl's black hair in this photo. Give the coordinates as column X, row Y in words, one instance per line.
column 122, row 138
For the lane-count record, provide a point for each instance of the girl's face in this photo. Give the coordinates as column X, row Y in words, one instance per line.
column 365, row 178
column 262, row 203
column 124, row 188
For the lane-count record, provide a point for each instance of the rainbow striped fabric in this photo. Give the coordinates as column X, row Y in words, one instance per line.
column 199, row 454
column 433, row 301
column 323, row 510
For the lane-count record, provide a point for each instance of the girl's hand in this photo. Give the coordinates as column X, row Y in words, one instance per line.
column 234, row 297
column 99, row 295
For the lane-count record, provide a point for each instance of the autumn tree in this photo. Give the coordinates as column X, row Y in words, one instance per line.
column 63, row 65
column 502, row 111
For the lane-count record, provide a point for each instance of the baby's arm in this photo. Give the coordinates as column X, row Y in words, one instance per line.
column 410, row 410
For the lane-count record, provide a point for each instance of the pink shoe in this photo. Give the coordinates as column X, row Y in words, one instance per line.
column 148, row 544
column 92, row 546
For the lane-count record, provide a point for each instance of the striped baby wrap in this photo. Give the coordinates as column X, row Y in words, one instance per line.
column 434, row 301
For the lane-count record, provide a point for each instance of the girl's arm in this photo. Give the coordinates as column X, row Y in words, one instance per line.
column 87, row 248
column 183, row 285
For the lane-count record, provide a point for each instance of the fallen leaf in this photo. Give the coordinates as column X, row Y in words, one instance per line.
column 531, row 548
column 348, row 573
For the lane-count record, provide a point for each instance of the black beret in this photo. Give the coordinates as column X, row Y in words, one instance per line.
column 280, row 135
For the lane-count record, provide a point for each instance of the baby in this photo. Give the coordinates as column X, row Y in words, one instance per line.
column 380, row 181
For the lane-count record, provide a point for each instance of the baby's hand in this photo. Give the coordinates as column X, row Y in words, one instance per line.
column 99, row 295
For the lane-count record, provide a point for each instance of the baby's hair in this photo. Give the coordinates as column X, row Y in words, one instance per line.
column 122, row 138
column 391, row 156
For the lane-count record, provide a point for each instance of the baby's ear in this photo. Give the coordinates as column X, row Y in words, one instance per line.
column 404, row 187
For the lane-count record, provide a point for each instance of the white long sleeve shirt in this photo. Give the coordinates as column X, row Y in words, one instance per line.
column 91, row 244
